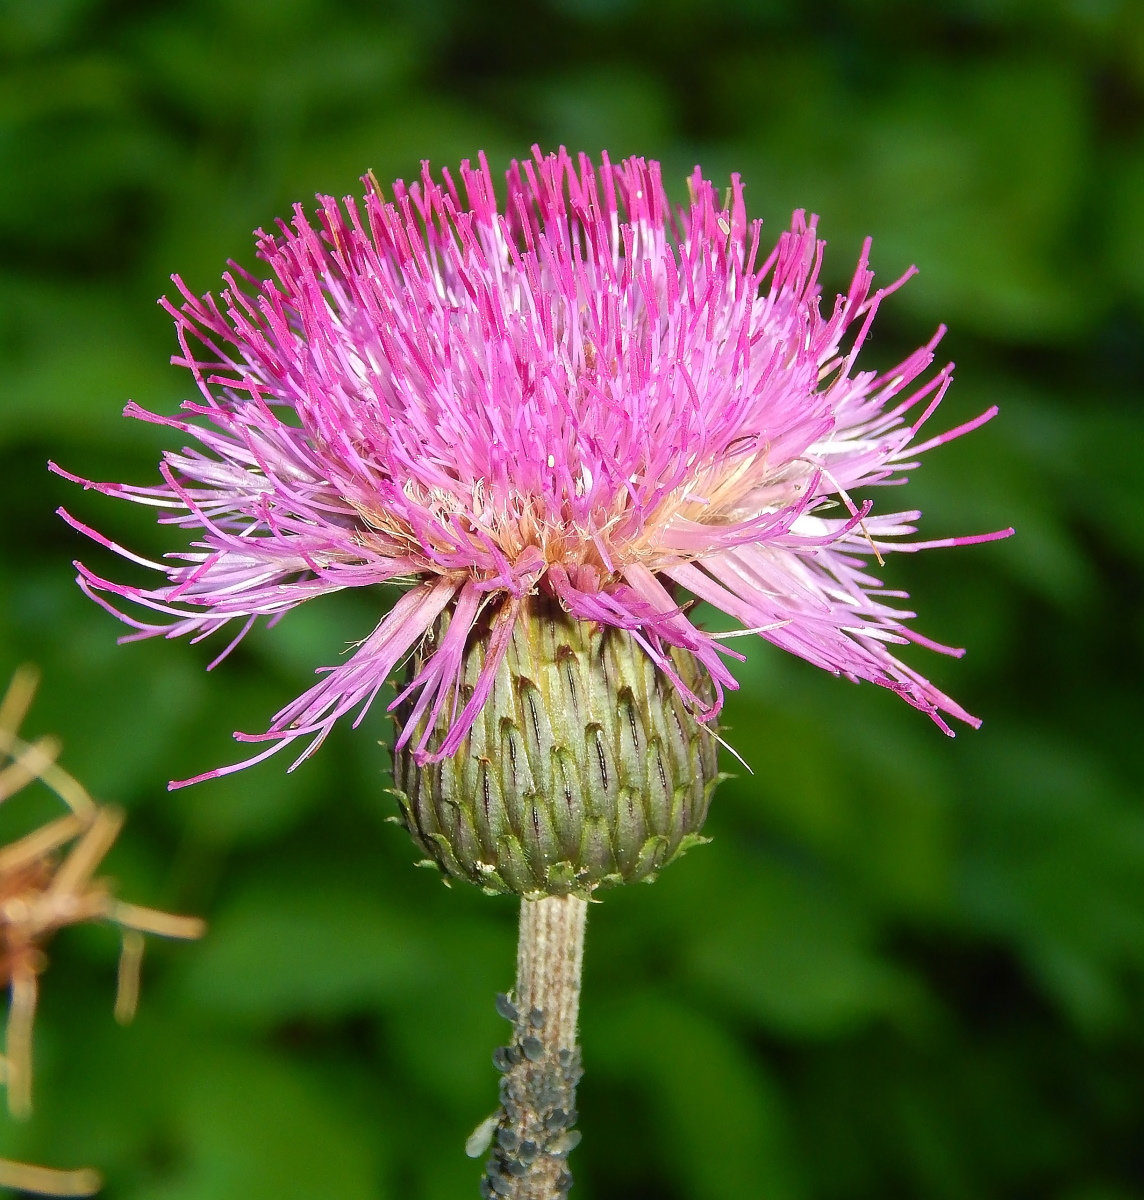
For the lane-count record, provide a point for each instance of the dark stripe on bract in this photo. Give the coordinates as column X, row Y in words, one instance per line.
column 584, row 770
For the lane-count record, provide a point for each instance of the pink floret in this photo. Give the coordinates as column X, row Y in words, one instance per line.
column 586, row 393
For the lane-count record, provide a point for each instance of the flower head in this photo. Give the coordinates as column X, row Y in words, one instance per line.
column 586, row 395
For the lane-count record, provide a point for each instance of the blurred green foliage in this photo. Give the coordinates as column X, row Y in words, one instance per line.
column 906, row 967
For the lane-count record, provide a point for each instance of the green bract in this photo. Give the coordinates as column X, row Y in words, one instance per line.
column 584, row 769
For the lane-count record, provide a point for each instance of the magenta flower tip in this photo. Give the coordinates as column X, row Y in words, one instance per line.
column 587, row 393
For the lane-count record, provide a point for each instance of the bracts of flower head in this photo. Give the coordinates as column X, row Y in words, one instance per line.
column 590, row 396
column 47, row 881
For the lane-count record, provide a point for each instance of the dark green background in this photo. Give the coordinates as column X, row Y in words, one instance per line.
column 907, row 966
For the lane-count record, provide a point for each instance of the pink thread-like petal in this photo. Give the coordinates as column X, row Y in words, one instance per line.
column 588, row 394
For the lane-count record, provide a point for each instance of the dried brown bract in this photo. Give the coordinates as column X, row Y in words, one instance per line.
column 48, row 880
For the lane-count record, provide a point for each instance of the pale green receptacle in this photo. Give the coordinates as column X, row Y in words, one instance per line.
column 584, row 769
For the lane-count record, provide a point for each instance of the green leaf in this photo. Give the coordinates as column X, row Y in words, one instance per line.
column 790, row 951
column 276, row 953
column 253, row 1128
column 719, row 1121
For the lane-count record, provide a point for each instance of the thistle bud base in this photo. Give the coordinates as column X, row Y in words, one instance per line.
column 584, row 770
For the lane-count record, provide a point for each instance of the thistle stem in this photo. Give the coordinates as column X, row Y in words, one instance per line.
column 534, row 1126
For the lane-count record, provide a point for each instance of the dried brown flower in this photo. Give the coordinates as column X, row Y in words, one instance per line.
column 48, row 880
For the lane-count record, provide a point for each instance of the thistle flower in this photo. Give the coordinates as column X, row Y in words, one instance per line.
column 583, row 409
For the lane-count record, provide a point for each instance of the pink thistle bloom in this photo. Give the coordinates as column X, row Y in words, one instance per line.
column 588, row 394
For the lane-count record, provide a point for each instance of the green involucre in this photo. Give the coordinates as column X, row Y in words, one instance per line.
column 584, row 769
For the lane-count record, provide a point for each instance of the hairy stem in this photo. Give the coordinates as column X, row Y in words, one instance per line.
column 534, row 1127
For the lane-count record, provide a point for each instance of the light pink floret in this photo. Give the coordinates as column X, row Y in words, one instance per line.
column 586, row 393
